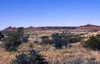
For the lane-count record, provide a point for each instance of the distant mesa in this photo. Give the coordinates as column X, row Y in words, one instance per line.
column 78, row 28
column 10, row 28
column 26, row 29
column 89, row 25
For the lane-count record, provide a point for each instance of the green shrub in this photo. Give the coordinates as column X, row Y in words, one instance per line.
column 32, row 57
column 1, row 36
column 44, row 37
column 13, row 40
column 75, row 39
column 25, row 38
column 46, row 42
column 59, row 40
column 92, row 43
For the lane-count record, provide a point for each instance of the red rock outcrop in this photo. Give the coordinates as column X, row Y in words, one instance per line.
column 10, row 28
column 88, row 27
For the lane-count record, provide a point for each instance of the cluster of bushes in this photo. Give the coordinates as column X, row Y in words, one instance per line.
column 14, row 39
column 57, row 40
column 93, row 42
column 33, row 57
column 60, row 39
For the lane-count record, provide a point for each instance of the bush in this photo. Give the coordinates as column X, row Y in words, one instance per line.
column 32, row 57
column 75, row 39
column 59, row 40
column 46, row 42
column 25, row 38
column 92, row 43
column 44, row 37
column 13, row 40
column 1, row 36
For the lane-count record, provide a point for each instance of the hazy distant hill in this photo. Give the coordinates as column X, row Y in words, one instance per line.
column 78, row 28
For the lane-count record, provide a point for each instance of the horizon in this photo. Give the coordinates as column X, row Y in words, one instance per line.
column 47, row 26
column 40, row 13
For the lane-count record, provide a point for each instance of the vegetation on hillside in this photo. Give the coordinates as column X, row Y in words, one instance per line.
column 51, row 48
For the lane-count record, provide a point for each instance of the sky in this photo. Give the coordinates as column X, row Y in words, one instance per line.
column 25, row 13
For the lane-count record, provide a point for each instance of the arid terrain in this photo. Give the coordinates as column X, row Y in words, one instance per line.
column 49, row 31
column 69, row 54
column 73, row 52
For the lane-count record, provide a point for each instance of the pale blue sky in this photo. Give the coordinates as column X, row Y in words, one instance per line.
column 49, row 13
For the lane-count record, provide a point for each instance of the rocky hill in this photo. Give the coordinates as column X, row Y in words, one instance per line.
column 87, row 27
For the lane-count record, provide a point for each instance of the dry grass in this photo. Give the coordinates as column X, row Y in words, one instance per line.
column 52, row 54
column 6, row 57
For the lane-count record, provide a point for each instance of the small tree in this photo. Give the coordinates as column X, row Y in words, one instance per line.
column 32, row 57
